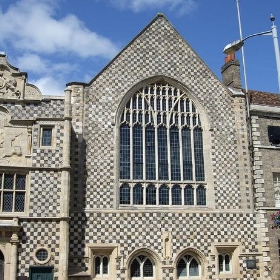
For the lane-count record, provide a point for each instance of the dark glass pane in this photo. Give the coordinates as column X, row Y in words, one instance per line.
column 19, row 201
column 42, row 255
column 162, row 153
column 150, row 153
column 20, row 182
column 221, row 261
column 46, row 137
column 97, row 265
column 187, row 154
column 137, row 152
column 175, row 154
column 9, row 181
column 193, row 268
column 176, row 196
column 181, row 268
column 148, row 269
column 151, row 195
column 125, row 152
column 201, row 195
column 7, row 202
column 189, row 195
column 163, row 195
column 105, row 265
column 198, row 155
column 138, row 194
column 135, row 269
column 125, row 194
column 227, row 262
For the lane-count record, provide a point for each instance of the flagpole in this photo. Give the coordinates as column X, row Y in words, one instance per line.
column 245, row 76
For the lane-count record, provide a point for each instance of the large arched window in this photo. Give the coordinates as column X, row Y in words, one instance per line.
column 188, row 267
column 161, row 148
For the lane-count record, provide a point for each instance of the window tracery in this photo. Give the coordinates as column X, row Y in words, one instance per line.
column 161, row 149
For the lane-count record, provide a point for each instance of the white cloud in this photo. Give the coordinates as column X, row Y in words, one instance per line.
column 49, row 85
column 30, row 25
column 181, row 6
column 32, row 62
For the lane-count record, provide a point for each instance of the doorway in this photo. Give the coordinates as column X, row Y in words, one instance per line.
column 41, row 273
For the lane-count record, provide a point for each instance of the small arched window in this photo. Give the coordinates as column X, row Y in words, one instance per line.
column 188, row 266
column 189, row 195
column 142, row 267
column 163, row 195
column 101, row 265
column 224, row 263
column 138, row 194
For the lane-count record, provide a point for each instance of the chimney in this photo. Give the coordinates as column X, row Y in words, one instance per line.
column 231, row 72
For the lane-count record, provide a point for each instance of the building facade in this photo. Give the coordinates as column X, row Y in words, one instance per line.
column 143, row 173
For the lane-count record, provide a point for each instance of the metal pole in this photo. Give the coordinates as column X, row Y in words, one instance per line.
column 276, row 48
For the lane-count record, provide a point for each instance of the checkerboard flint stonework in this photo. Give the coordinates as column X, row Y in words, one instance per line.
column 98, row 224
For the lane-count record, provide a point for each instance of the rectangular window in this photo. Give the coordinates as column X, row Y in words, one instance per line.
column 12, row 195
column 276, row 184
column 274, row 135
column 46, row 136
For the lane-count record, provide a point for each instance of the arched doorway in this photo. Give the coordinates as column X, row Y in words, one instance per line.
column 2, row 263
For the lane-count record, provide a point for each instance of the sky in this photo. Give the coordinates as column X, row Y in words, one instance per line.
column 61, row 41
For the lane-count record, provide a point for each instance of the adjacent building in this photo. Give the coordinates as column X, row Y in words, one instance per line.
column 152, row 170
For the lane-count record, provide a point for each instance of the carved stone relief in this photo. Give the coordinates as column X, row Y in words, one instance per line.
column 14, row 142
column 9, row 86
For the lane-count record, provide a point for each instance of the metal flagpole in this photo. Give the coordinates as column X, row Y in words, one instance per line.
column 245, row 76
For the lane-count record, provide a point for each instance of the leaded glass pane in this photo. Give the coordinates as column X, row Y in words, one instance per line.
column 201, row 195
column 151, row 195
column 135, row 269
column 137, row 152
column 181, row 268
column 97, row 265
column 125, row 194
column 189, row 195
column 20, row 182
column 138, row 194
column 148, row 269
column 42, row 255
column 198, row 155
column 105, row 265
column 175, row 154
column 46, row 137
column 176, row 196
column 150, row 153
column 187, row 154
column 193, row 268
column 162, row 153
column 19, row 201
column 221, row 263
column 7, row 202
column 227, row 262
column 163, row 195
column 9, row 181
column 125, row 152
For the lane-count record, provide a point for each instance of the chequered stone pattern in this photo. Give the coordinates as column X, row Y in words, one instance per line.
column 158, row 51
column 46, row 109
column 137, row 230
column 45, row 192
column 48, row 157
column 35, row 234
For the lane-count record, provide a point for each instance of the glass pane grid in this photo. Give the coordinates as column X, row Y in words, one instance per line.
column 169, row 147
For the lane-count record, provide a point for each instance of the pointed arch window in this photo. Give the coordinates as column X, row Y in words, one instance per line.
column 141, row 267
column 161, row 143
column 188, row 266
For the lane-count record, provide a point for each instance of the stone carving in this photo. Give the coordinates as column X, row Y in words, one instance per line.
column 8, row 87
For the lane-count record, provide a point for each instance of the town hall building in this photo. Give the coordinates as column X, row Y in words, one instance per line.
column 154, row 169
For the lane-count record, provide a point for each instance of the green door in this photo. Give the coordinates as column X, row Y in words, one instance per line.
column 41, row 273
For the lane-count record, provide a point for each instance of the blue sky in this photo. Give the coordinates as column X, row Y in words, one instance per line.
column 61, row 41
